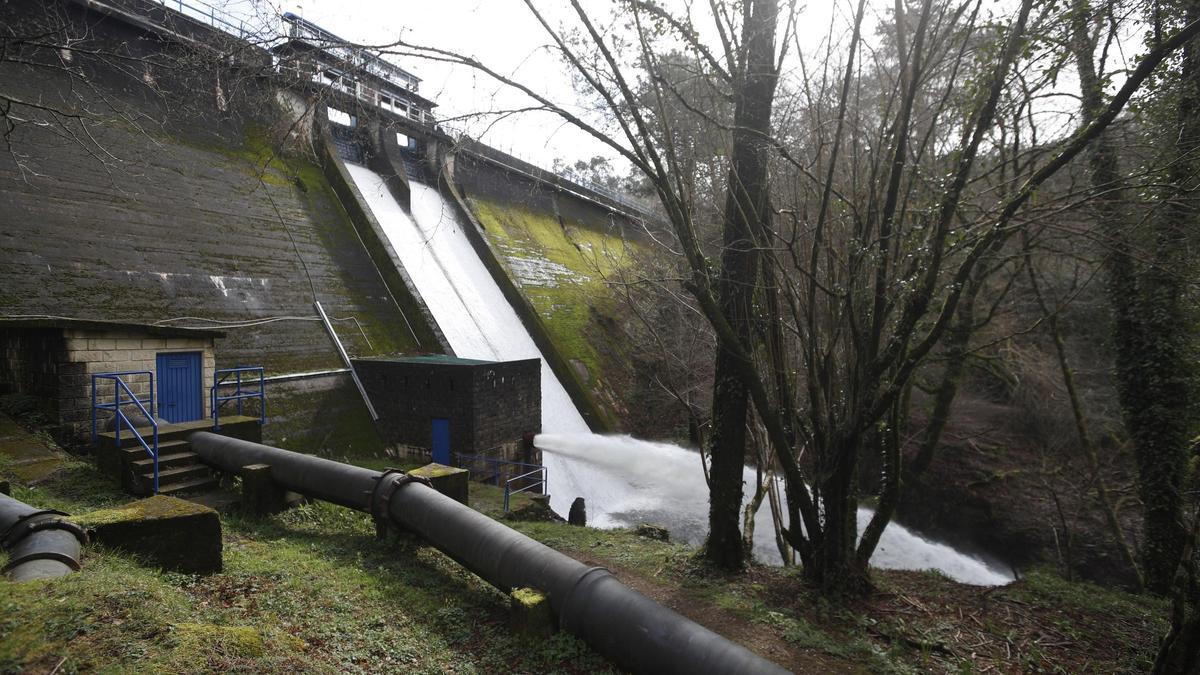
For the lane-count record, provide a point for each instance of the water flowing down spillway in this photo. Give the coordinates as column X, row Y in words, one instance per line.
column 625, row 481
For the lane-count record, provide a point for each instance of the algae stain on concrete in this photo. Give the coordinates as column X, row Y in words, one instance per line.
column 564, row 269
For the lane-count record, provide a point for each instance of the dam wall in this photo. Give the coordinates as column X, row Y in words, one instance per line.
column 567, row 253
column 156, row 185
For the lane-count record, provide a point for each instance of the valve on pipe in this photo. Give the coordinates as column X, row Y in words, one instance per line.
column 625, row 626
column 41, row 544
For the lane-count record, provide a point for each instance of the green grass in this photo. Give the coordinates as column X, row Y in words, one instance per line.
column 310, row 590
column 313, row 590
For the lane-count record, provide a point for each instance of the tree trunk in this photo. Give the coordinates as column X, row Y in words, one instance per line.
column 747, row 215
column 838, row 570
column 1149, row 333
column 958, row 340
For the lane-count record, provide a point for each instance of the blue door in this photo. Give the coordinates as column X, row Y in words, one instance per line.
column 441, row 441
column 179, row 387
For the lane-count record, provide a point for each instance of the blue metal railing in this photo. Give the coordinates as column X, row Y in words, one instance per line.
column 538, row 478
column 217, row 401
column 119, row 416
column 498, row 467
column 505, row 472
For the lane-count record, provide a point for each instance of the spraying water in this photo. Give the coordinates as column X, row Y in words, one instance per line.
column 624, row 480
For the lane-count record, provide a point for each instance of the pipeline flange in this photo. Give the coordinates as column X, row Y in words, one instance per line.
column 41, row 520
column 381, row 497
column 60, row 542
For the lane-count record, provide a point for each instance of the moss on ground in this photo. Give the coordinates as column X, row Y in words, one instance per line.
column 158, row 507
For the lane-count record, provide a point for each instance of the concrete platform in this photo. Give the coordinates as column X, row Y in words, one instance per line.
column 24, row 456
column 165, row 532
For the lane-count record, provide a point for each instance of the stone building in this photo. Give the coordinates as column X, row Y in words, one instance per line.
column 445, row 404
column 53, row 360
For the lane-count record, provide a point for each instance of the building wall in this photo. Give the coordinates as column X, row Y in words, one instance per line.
column 87, row 352
column 29, row 361
column 408, row 395
column 507, row 404
column 490, row 406
column 56, row 366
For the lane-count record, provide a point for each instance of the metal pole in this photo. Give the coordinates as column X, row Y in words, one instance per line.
column 117, row 410
column 346, row 360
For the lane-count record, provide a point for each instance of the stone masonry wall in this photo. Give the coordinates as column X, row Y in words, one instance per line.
column 87, row 352
column 29, row 365
column 507, row 403
column 408, row 395
column 197, row 204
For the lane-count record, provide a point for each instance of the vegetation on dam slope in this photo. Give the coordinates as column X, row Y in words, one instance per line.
column 564, row 270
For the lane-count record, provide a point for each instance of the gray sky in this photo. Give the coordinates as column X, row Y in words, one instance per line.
column 505, row 36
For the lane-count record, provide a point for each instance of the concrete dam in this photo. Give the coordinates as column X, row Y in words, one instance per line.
column 223, row 219
column 625, row 481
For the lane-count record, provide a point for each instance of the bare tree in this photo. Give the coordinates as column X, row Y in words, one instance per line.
column 832, row 292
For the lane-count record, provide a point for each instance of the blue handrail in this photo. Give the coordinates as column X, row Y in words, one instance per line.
column 541, row 482
column 120, row 417
column 498, row 465
column 216, row 401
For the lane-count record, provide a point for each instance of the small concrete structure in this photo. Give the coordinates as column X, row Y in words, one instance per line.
column 448, row 480
column 170, row 533
column 54, row 359
column 531, row 618
column 260, row 495
column 482, row 407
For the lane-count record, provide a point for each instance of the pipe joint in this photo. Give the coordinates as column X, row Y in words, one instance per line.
column 40, row 543
column 381, row 497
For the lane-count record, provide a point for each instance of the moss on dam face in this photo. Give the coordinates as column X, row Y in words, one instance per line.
column 564, row 269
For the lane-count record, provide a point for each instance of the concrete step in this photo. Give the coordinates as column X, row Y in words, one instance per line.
column 166, row 461
column 239, row 426
column 137, row 452
column 166, row 432
column 189, row 486
column 178, row 475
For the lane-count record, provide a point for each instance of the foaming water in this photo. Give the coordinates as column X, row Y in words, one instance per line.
column 625, row 481
column 631, row 482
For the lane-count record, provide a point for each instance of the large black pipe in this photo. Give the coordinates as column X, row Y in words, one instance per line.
column 618, row 622
column 40, row 544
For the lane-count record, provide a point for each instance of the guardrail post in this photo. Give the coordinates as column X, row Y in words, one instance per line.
column 93, row 410
column 117, row 409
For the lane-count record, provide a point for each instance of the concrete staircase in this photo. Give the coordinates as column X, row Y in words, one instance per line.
column 180, row 470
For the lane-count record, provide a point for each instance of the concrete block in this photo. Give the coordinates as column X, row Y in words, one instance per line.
column 260, row 495
column 83, row 355
column 163, row 531
column 75, row 344
column 531, row 618
column 101, row 343
column 153, row 343
column 129, row 343
column 448, row 480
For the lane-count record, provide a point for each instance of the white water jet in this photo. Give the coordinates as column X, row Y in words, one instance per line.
column 664, row 484
column 624, row 481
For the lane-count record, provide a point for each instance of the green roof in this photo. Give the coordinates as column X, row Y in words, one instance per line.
column 431, row 359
